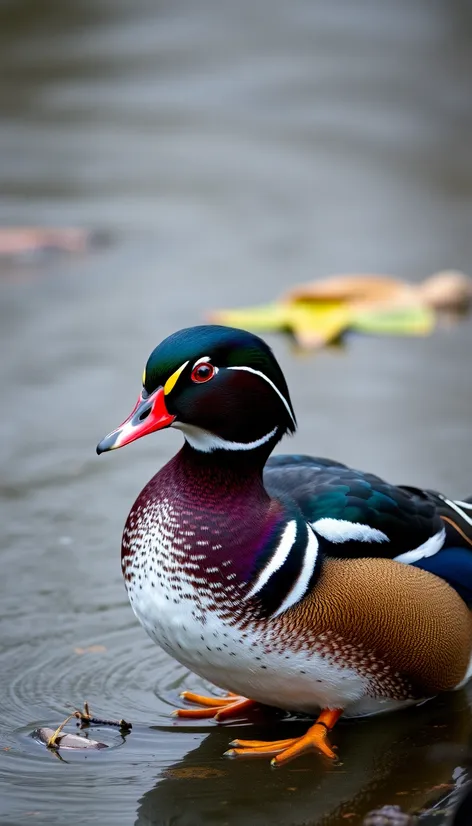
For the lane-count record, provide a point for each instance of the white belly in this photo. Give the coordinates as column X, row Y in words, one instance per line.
column 237, row 661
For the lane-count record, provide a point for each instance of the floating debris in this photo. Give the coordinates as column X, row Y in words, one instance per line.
column 86, row 719
column 90, row 649
column 55, row 739
column 27, row 242
column 320, row 312
column 448, row 290
column 193, row 773
column 389, row 816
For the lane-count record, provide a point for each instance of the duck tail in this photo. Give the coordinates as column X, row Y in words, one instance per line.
column 457, row 514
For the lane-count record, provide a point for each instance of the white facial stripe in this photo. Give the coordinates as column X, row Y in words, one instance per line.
column 428, row 548
column 455, row 506
column 341, row 530
column 277, row 559
column 200, row 361
column 263, row 376
column 467, row 505
column 206, row 442
column 298, row 591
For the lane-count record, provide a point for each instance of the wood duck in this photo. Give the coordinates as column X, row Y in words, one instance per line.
column 290, row 581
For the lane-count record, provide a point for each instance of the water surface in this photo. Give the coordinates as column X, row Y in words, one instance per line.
column 229, row 150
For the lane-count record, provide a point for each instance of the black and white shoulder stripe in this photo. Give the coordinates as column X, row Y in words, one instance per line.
column 289, row 569
column 336, row 532
column 291, row 564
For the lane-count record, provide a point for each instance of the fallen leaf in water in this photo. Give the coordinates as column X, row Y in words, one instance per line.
column 320, row 312
column 312, row 325
column 447, row 290
column 399, row 321
column 352, row 287
column 17, row 241
column 90, row 649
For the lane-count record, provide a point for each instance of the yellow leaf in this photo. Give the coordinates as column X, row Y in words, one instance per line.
column 315, row 325
column 266, row 317
column 413, row 320
column 312, row 324
column 318, row 313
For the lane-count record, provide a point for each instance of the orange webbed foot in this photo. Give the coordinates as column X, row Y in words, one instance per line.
column 217, row 708
column 282, row 751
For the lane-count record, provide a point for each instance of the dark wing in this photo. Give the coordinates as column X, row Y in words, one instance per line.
column 453, row 562
column 356, row 514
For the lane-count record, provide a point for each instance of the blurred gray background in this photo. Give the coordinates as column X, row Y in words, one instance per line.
column 228, row 150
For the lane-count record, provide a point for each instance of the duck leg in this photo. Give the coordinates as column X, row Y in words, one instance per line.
column 218, row 708
column 315, row 739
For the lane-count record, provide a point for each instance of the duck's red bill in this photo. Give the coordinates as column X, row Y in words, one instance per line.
column 149, row 414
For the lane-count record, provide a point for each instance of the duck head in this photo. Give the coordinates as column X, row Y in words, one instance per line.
column 221, row 386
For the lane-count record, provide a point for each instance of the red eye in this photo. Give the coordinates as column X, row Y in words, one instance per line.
column 203, row 372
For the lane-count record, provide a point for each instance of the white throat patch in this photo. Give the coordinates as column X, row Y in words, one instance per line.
column 206, row 442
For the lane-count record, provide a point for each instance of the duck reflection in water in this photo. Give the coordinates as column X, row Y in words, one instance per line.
column 414, row 759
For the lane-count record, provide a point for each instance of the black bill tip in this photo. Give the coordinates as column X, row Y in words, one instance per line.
column 108, row 443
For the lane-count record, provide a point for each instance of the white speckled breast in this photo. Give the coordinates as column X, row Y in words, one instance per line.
column 192, row 609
